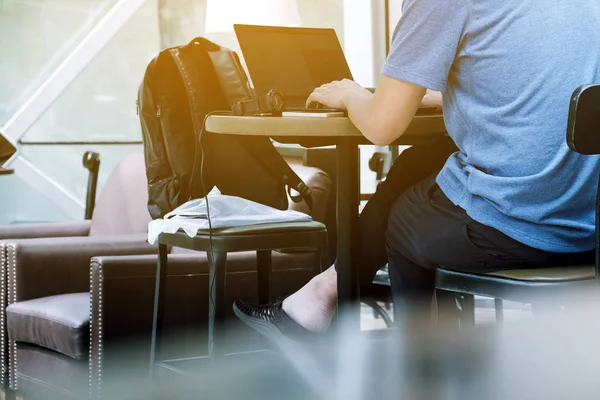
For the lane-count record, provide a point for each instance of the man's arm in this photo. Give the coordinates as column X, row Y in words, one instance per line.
column 386, row 115
column 381, row 117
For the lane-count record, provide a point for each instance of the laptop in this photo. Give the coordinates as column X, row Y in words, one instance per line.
column 293, row 61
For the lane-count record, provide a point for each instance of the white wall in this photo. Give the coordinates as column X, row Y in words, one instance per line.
column 395, row 14
column 364, row 39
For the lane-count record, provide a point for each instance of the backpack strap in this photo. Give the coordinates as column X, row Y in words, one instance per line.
column 263, row 150
column 294, row 182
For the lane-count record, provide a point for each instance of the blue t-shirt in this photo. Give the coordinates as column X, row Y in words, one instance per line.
column 507, row 70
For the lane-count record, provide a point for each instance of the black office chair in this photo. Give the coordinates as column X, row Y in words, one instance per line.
column 535, row 286
column 378, row 296
column 263, row 239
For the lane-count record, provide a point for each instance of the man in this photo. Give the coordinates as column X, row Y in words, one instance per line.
column 507, row 193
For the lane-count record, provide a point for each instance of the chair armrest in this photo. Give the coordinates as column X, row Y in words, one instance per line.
column 320, row 186
column 53, row 229
column 49, row 266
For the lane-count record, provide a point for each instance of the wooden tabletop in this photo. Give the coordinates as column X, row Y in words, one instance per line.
column 422, row 126
column 4, row 171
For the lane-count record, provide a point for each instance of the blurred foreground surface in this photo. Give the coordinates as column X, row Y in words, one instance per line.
column 549, row 356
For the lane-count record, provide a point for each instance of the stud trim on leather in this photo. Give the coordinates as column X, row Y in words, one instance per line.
column 11, row 256
column 96, row 334
column 90, row 361
column 3, row 338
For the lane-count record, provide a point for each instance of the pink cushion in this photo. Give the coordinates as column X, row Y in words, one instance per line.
column 121, row 208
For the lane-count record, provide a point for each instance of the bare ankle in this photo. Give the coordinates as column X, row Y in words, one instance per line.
column 327, row 286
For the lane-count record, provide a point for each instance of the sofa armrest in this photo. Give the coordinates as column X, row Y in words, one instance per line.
column 122, row 293
column 320, row 186
column 143, row 265
column 53, row 229
column 122, row 288
column 49, row 266
column 122, row 296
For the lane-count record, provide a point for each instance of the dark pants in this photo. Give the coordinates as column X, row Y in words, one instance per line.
column 410, row 224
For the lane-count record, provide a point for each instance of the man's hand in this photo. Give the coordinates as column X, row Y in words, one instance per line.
column 381, row 117
column 336, row 94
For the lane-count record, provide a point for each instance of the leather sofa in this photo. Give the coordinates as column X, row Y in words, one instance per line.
column 80, row 300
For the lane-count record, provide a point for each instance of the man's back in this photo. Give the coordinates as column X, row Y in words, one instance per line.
column 514, row 67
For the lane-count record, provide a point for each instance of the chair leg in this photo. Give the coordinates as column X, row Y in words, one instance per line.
column 9, row 394
column 499, row 306
column 264, row 276
column 447, row 312
column 545, row 308
column 159, row 306
column 467, row 315
column 217, row 273
column 379, row 312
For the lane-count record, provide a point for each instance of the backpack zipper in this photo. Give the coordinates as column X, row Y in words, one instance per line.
column 157, row 111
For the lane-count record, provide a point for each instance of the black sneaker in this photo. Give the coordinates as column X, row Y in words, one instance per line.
column 271, row 321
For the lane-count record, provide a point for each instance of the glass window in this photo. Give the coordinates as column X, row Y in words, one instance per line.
column 36, row 36
column 22, row 202
column 99, row 104
column 63, row 163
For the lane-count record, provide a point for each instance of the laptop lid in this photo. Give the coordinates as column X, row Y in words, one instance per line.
column 293, row 61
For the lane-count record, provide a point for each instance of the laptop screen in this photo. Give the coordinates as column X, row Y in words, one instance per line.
column 293, row 61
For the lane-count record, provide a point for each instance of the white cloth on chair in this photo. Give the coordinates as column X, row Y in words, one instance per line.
column 225, row 212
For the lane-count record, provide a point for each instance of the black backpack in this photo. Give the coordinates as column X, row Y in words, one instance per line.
column 181, row 87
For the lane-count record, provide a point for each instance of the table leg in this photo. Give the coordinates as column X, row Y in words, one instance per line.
column 263, row 266
column 159, row 306
column 348, row 195
column 499, row 306
column 216, row 302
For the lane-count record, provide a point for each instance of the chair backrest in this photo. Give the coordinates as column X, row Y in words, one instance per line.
column 121, row 208
column 583, row 131
column 583, row 136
